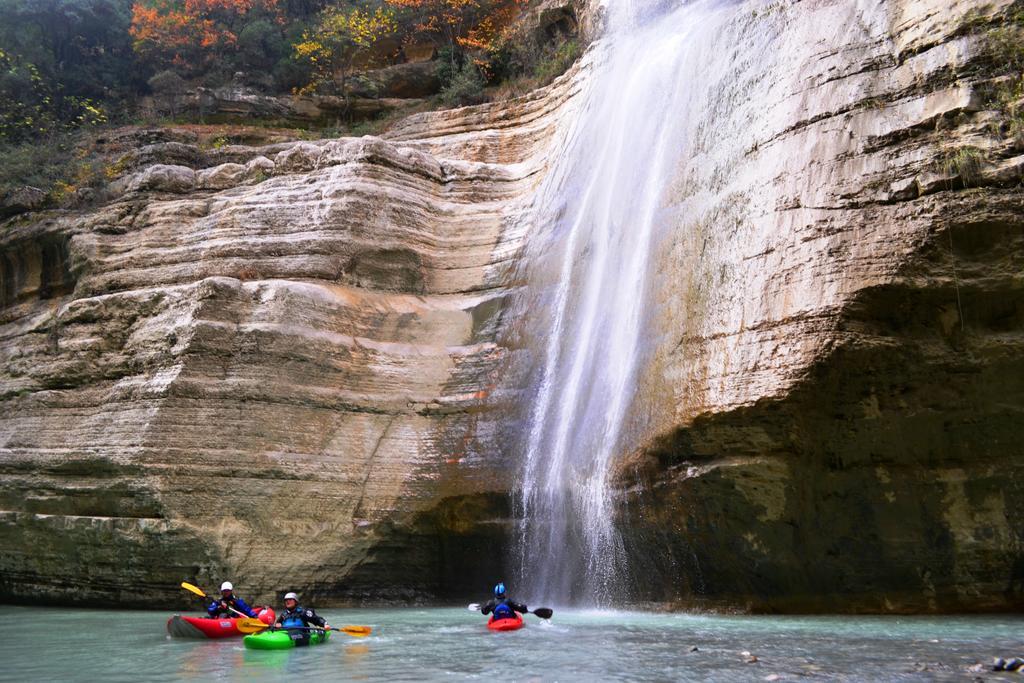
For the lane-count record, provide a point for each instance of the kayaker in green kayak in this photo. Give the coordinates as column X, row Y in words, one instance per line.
column 228, row 600
column 297, row 619
column 502, row 606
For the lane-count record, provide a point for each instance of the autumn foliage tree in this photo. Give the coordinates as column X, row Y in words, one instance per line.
column 459, row 27
column 464, row 23
column 188, row 34
column 340, row 37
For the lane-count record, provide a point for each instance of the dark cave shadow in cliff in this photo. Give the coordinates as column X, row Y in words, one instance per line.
column 888, row 480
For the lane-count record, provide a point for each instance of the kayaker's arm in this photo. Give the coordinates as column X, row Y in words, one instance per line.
column 489, row 607
column 244, row 608
column 519, row 607
column 311, row 617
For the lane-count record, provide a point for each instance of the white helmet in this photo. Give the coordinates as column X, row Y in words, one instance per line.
column 291, row 596
column 226, row 586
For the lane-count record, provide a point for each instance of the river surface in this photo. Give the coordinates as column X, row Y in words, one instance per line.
column 43, row 644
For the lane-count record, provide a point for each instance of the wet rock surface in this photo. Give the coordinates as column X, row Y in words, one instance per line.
column 838, row 397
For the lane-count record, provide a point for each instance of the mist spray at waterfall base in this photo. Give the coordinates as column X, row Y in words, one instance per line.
column 600, row 217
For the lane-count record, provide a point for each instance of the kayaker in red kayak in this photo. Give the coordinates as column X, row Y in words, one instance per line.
column 228, row 600
column 502, row 606
column 297, row 619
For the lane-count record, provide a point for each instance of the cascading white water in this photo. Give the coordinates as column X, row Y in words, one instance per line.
column 601, row 213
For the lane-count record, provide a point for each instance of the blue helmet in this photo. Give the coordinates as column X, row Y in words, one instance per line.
column 499, row 590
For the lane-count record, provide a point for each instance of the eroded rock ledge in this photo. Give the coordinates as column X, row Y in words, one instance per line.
column 270, row 363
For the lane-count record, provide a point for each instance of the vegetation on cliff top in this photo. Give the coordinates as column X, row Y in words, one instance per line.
column 68, row 63
column 69, row 68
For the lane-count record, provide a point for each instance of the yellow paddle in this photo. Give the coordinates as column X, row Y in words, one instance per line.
column 255, row 626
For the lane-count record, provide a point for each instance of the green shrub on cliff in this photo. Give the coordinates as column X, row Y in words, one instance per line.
column 520, row 64
column 558, row 61
column 447, row 65
column 466, row 87
column 965, row 163
column 1005, row 44
column 1005, row 51
column 40, row 164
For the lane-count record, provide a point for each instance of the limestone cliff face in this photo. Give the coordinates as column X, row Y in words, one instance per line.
column 283, row 364
column 271, row 364
column 838, row 394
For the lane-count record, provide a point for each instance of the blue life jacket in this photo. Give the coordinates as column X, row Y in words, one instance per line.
column 293, row 618
column 503, row 611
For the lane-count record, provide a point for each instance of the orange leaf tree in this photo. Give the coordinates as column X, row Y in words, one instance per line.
column 187, row 34
column 459, row 24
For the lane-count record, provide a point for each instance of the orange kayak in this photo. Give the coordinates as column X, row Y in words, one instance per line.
column 511, row 624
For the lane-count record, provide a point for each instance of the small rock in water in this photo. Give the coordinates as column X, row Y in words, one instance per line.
column 694, row 649
column 752, row 659
column 772, row 677
column 745, row 653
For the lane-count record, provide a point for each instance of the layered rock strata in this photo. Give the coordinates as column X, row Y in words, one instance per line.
column 838, row 392
column 270, row 364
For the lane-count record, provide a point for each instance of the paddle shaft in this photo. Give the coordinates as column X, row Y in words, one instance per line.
column 358, row 631
column 542, row 612
column 303, row 628
column 350, row 629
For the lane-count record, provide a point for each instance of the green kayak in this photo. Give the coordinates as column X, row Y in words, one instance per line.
column 282, row 640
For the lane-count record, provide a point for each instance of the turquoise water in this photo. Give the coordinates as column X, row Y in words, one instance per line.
column 42, row 644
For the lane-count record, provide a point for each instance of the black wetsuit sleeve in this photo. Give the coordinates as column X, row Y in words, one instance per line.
column 518, row 606
column 488, row 607
column 311, row 617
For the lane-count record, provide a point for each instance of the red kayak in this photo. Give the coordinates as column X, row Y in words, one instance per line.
column 204, row 627
column 510, row 624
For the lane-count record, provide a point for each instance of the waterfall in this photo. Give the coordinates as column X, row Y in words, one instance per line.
column 599, row 218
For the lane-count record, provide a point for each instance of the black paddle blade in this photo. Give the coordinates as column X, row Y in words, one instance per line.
column 543, row 612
